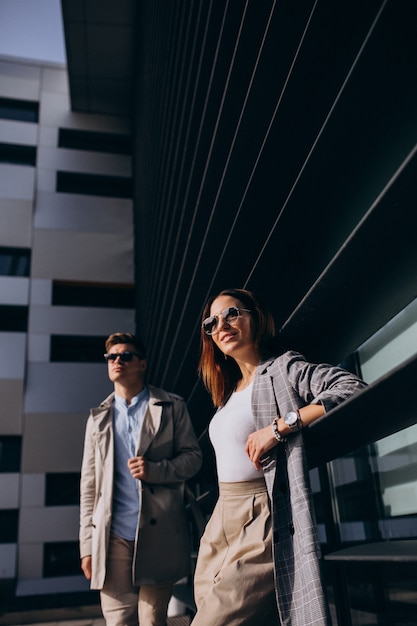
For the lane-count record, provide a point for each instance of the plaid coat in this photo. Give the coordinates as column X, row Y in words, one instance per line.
column 283, row 384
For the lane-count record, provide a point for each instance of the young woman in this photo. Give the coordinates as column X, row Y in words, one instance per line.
column 258, row 561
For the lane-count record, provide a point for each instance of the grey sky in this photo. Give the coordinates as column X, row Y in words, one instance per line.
column 32, row 29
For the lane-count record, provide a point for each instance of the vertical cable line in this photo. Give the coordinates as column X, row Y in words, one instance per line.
column 338, row 96
column 214, row 136
column 373, row 25
column 203, row 115
column 290, row 71
column 332, row 108
column 161, row 248
column 157, row 61
column 180, row 177
column 177, row 165
column 248, row 91
column 357, row 228
column 166, row 113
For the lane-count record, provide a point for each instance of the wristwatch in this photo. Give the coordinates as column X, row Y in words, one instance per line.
column 293, row 420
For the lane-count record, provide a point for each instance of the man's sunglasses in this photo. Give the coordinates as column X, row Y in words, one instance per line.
column 126, row 357
column 230, row 315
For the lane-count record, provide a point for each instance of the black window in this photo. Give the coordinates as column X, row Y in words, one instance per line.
column 21, row 110
column 94, row 142
column 13, row 318
column 14, row 261
column 61, row 559
column 8, row 526
column 62, row 489
column 94, row 184
column 10, row 453
column 92, row 295
column 17, row 154
column 77, row 349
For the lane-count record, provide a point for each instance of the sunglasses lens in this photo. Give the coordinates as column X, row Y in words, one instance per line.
column 230, row 314
column 124, row 356
column 209, row 325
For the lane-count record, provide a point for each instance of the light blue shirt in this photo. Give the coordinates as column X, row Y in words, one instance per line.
column 127, row 425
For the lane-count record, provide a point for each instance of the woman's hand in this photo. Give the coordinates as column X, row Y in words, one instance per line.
column 258, row 443
column 138, row 467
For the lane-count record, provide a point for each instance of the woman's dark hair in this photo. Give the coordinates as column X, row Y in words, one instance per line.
column 220, row 374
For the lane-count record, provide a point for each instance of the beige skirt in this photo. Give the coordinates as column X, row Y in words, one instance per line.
column 234, row 577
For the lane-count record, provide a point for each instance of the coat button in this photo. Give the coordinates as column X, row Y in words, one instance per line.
column 152, row 521
column 291, row 529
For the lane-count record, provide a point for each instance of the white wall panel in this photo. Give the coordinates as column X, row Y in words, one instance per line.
column 9, row 491
column 21, row 133
column 17, row 181
column 12, row 355
column 19, row 81
column 48, row 136
column 39, row 347
column 83, row 161
column 65, row 387
column 55, row 79
column 40, row 291
column 61, row 320
column 61, row 584
column 48, row 524
column 8, row 554
column 64, row 211
column 30, row 560
column 14, row 290
column 33, row 490
column 82, row 256
column 15, row 222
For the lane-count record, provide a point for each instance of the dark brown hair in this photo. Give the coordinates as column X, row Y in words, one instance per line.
column 220, row 375
column 116, row 338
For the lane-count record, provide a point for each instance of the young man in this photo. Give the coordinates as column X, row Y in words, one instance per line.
column 139, row 449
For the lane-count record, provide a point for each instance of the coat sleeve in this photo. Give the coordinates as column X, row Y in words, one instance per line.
column 87, row 491
column 186, row 457
column 320, row 382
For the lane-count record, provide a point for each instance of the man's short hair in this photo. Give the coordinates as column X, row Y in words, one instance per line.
column 116, row 338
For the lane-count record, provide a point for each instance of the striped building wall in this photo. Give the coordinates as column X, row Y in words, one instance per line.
column 66, row 282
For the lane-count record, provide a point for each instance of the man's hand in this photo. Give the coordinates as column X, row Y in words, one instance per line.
column 86, row 566
column 138, row 467
column 258, row 443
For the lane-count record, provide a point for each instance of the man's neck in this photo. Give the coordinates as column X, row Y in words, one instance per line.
column 128, row 392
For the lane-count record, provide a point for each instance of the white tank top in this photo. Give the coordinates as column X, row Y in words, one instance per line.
column 229, row 430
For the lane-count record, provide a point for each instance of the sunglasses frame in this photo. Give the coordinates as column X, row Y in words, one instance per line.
column 112, row 356
column 225, row 313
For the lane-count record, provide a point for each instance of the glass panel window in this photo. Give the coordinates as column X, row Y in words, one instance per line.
column 14, row 261
column 13, row 318
column 17, row 154
column 20, row 110
column 94, row 184
column 8, row 526
column 77, row 349
column 92, row 295
column 94, row 141
column 62, row 489
column 10, row 453
column 61, row 559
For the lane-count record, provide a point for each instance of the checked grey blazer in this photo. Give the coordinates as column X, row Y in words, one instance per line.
column 283, row 384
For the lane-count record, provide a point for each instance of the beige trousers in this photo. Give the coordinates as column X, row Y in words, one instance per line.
column 234, row 577
column 123, row 604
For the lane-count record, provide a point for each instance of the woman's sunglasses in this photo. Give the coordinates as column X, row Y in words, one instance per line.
column 230, row 315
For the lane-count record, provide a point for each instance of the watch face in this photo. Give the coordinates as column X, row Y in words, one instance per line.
column 291, row 418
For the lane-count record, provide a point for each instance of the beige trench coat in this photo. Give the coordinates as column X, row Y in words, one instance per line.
column 168, row 442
